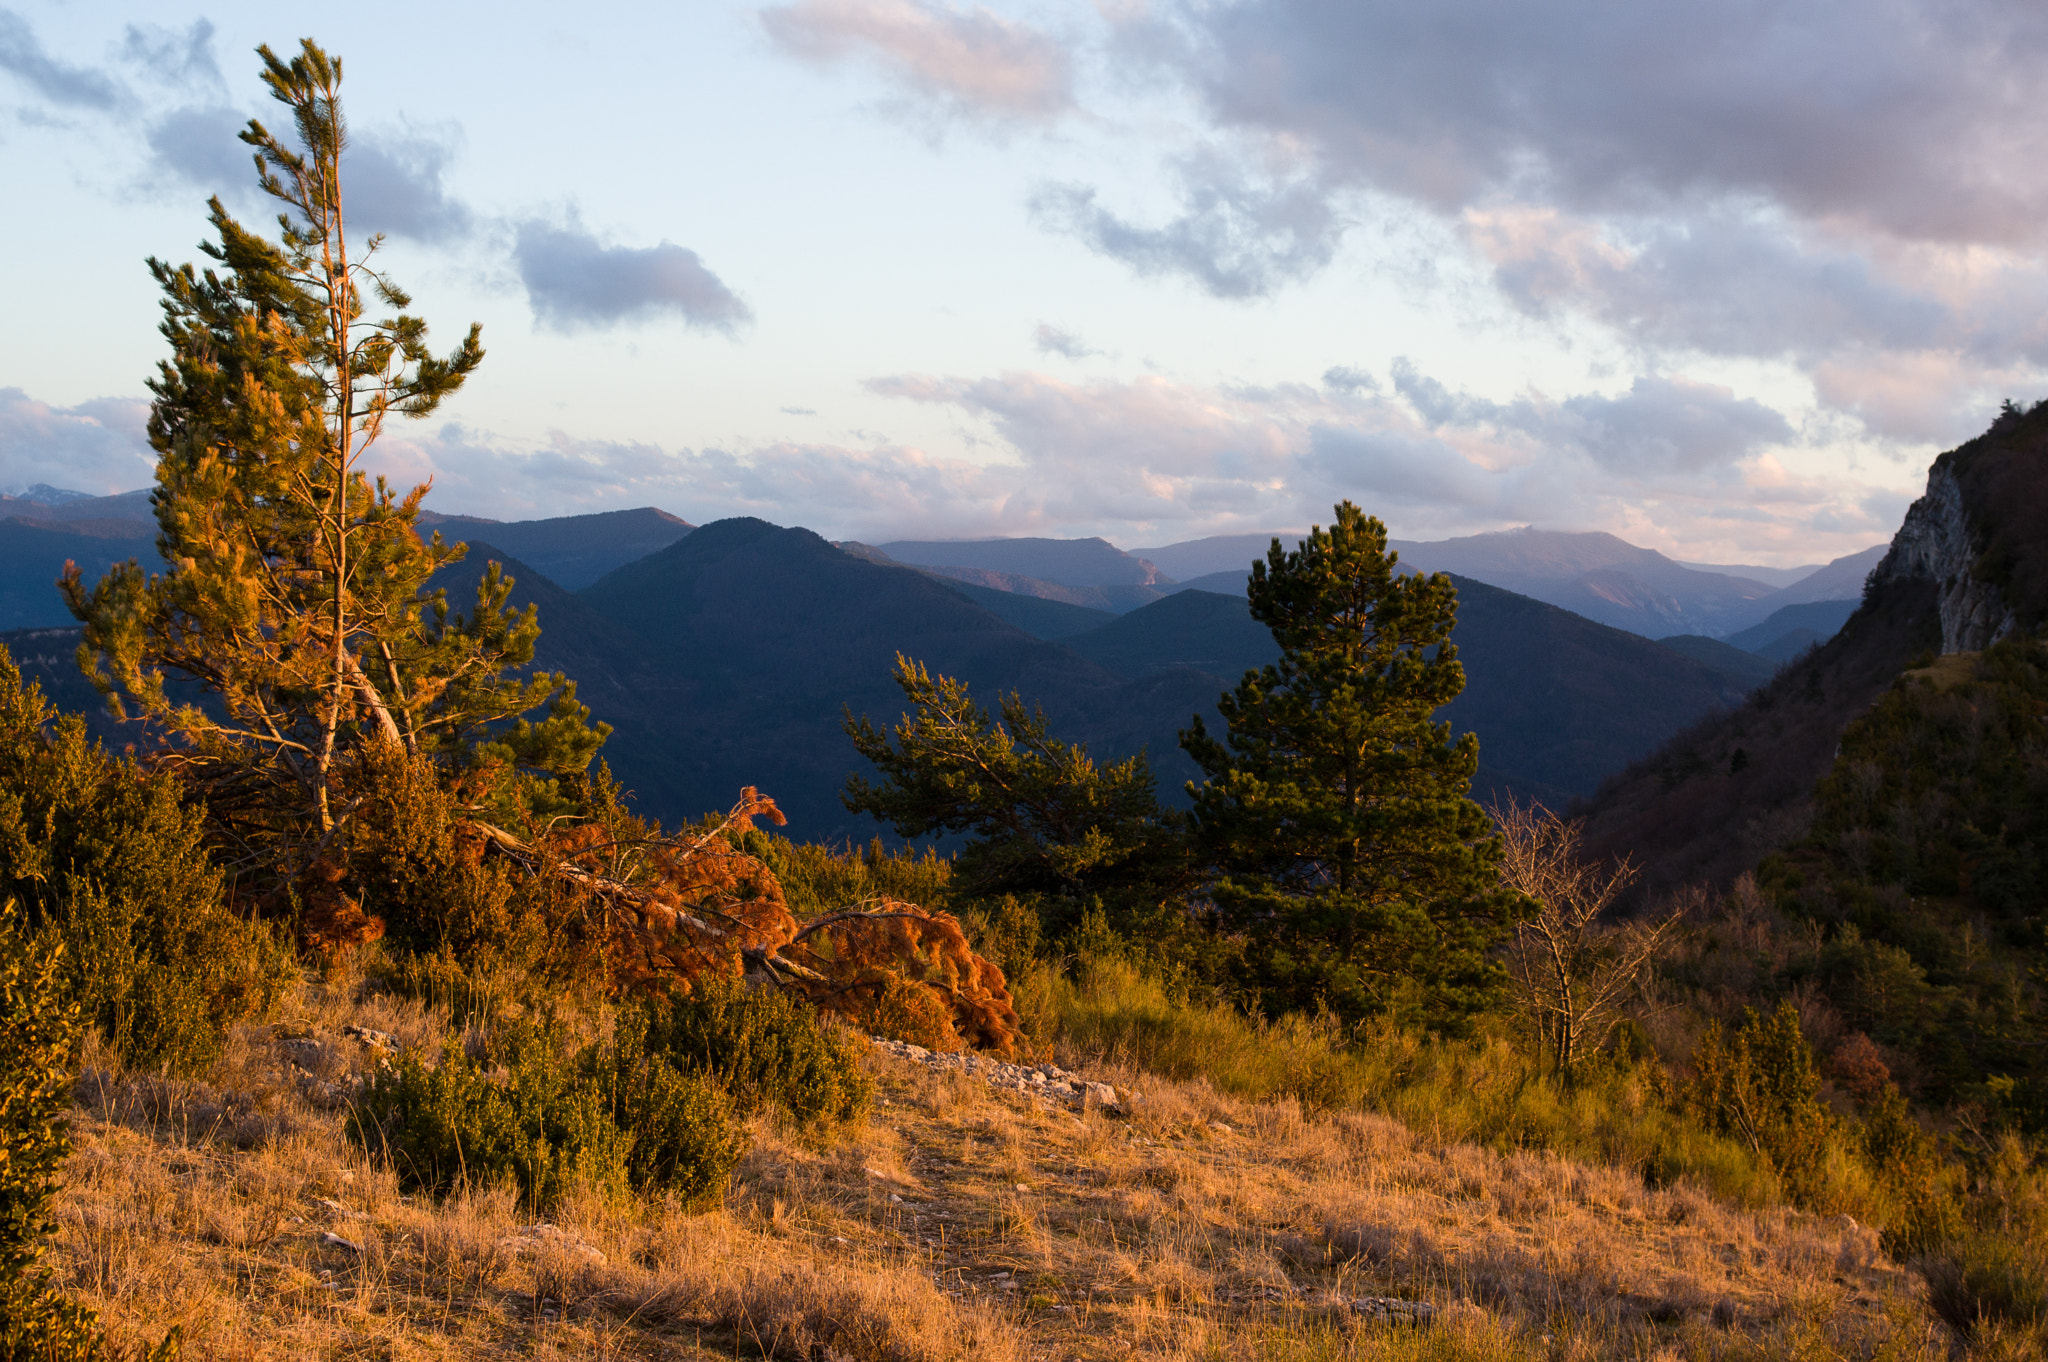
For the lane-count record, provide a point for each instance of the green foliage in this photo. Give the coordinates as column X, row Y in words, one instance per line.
column 38, row 1023
column 1761, row 1088
column 767, row 1047
column 816, row 879
column 1922, row 870
column 685, row 1138
column 656, row 1108
column 1482, row 1087
column 1354, row 863
column 1991, row 1279
column 1045, row 820
column 294, row 591
column 540, row 1124
column 107, row 861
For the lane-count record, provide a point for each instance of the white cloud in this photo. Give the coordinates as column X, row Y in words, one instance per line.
column 99, row 446
column 968, row 61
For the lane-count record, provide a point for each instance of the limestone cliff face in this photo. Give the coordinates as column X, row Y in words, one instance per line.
column 1936, row 544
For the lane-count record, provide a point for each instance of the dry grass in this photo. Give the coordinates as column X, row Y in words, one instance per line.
column 955, row 1223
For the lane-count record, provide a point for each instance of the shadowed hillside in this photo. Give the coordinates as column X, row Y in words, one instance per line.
column 1558, row 701
column 573, row 550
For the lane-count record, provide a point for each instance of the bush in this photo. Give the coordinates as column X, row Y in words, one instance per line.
column 685, row 1138
column 608, row 1118
column 107, row 861
column 39, row 1020
column 766, row 1047
column 1991, row 1278
column 457, row 1123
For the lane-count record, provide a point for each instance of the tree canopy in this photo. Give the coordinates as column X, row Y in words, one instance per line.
column 296, row 583
column 1336, row 808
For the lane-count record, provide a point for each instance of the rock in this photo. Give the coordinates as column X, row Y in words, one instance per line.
column 329, row 1239
column 333, row 1207
column 1393, row 1310
column 376, row 1040
column 308, row 1052
column 1102, row 1094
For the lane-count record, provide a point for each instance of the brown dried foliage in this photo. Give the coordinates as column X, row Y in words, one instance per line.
column 863, row 949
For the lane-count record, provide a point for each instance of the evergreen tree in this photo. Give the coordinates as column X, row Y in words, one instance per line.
column 1350, row 857
column 295, row 589
column 1047, row 822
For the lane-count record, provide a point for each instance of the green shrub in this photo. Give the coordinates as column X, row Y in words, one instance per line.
column 540, row 1123
column 685, row 1138
column 768, row 1048
column 39, row 1020
column 607, row 1117
column 1991, row 1278
column 107, row 861
column 1761, row 1088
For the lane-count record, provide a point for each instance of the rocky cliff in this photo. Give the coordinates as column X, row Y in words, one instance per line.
column 1938, row 544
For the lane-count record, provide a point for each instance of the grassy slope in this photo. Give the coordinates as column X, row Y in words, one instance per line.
column 955, row 1222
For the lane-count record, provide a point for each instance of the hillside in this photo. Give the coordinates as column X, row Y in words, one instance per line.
column 1745, row 668
column 1968, row 567
column 33, row 554
column 574, row 550
column 1069, row 562
column 1558, row 701
column 1816, row 621
column 954, row 1221
column 752, row 639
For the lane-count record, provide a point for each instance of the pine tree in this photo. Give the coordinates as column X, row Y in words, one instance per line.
column 1359, row 872
column 295, row 590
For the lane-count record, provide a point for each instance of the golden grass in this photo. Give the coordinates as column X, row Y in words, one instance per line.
column 956, row 1222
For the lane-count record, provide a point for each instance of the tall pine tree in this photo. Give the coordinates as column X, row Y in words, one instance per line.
column 1355, row 866
column 295, row 584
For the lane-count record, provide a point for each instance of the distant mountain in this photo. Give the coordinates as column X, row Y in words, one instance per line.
column 1841, row 580
column 750, row 639
column 1558, row 701
column 1068, row 562
column 575, row 550
column 1035, row 615
column 1217, row 554
column 43, row 502
column 1769, row 576
column 33, row 554
column 1815, row 621
column 1742, row 668
column 1113, row 600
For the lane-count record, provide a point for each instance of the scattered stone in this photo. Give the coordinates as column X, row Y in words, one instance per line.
column 307, row 1052
column 1226, row 1129
column 329, row 1239
column 1048, row 1082
column 1392, row 1310
column 333, row 1207
column 376, row 1040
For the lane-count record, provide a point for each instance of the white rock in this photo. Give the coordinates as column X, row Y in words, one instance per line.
column 329, row 1239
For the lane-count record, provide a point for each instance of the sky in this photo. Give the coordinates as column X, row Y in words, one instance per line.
column 1719, row 276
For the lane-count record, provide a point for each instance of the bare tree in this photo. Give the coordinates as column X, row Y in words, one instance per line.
column 1573, row 970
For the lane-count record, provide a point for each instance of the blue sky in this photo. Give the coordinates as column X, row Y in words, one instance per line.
column 1719, row 277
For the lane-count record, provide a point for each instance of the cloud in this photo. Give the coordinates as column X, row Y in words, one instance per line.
column 76, row 87
column 1684, row 466
column 963, row 61
column 1233, row 238
column 98, row 446
column 395, row 184
column 1913, row 118
column 1660, row 425
column 182, row 60
column 1051, row 340
column 575, row 281
column 197, row 144
column 798, row 411
column 1346, row 379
